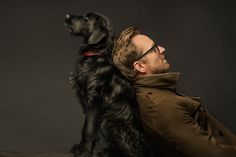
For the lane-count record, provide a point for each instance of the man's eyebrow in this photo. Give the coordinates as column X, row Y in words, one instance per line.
column 154, row 44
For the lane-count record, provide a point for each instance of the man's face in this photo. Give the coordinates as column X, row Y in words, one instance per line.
column 153, row 62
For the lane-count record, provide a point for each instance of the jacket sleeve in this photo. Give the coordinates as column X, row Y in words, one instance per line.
column 177, row 126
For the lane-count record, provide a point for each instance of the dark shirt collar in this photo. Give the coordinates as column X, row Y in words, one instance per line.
column 158, row 81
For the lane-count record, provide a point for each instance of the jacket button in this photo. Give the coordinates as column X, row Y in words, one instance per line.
column 221, row 133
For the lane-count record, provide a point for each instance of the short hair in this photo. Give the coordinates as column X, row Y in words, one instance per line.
column 125, row 53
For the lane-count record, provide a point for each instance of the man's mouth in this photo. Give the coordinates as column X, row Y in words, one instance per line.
column 163, row 59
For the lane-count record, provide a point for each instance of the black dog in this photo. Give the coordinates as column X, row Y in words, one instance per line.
column 107, row 98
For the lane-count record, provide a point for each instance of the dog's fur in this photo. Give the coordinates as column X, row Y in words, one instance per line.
column 107, row 98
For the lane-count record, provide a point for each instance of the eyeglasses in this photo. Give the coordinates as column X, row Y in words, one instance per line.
column 154, row 48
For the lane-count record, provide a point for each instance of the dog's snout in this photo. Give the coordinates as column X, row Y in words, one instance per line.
column 67, row 20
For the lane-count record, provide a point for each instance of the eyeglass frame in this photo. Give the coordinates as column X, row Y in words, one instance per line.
column 154, row 46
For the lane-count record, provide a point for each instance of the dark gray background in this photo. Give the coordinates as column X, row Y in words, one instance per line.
column 38, row 109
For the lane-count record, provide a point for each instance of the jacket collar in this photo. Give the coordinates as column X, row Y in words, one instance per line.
column 158, row 81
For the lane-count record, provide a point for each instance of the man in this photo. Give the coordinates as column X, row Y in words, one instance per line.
column 178, row 123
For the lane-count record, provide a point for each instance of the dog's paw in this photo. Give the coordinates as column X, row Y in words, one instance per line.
column 80, row 151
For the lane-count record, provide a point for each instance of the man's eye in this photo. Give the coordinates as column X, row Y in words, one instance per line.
column 155, row 49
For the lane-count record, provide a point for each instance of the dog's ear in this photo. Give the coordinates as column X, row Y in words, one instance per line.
column 96, row 36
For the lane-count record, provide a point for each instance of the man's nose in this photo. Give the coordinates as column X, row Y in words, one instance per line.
column 162, row 49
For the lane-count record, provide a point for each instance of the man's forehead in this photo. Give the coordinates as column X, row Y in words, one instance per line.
column 142, row 41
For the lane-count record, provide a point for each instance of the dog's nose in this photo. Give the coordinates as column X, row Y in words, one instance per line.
column 67, row 20
column 67, row 16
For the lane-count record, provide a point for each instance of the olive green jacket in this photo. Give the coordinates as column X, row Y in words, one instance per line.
column 178, row 123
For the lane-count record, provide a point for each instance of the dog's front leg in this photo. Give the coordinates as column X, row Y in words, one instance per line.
column 89, row 136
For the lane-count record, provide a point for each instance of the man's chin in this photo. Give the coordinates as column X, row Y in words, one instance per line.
column 167, row 69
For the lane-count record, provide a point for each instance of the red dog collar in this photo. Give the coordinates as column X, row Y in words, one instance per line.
column 89, row 54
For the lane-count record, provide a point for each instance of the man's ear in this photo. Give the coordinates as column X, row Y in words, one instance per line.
column 140, row 67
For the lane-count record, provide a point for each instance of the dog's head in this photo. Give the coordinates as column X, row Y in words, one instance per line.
column 94, row 28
